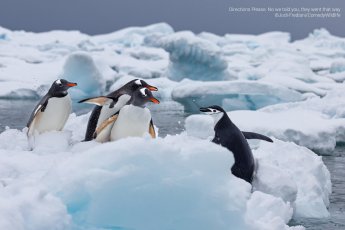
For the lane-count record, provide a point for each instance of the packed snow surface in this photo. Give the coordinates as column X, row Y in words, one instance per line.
column 180, row 182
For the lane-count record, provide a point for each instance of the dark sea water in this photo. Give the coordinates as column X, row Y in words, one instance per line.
column 169, row 118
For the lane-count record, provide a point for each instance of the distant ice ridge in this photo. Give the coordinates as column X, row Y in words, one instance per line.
column 32, row 60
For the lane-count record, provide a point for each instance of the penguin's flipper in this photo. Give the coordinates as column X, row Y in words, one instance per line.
column 251, row 135
column 152, row 130
column 40, row 107
column 100, row 101
column 102, row 133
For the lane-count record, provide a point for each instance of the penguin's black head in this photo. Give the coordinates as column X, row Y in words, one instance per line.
column 214, row 109
column 137, row 84
column 143, row 96
column 60, row 87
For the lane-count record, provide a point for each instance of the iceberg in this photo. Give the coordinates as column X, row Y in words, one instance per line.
column 80, row 68
column 191, row 57
column 232, row 95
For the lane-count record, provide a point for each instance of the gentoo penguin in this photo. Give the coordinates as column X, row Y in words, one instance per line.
column 52, row 112
column 105, row 108
column 229, row 136
column 132, row 120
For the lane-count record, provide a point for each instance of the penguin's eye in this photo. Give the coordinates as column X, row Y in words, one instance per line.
column 213, row 110
column 58, row 82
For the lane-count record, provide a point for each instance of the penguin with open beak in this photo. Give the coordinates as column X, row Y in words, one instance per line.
column 52, row 112
column 132, row 120
column 229, row 136
column 110, row 104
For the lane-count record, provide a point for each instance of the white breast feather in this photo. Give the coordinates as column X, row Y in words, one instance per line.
column 54, row 116
column 133, row 121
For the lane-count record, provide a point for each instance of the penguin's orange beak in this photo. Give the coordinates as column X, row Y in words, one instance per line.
column 70, row 84
column 154, row 100
column 152, row 88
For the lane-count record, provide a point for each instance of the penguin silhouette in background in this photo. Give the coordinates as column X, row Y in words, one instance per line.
column 108, row 105
column 52, row 112
column 229, row 136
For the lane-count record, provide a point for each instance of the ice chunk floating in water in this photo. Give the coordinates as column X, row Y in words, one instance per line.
column 192, row 57
column 232, row 95
column 80, row 68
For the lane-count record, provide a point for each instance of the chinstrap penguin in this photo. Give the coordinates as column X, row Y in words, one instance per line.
column 229, row 136
column 132, row 120
column 52, row 112
column 108, row 105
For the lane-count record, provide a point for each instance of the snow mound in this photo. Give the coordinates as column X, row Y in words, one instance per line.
column 185, row 182
column 81, row 68
column 31, row 208
column 91, row 186
column 277, row 213
column 192, row 57
column 159, row 176
column 232, row 95
column 306, row 185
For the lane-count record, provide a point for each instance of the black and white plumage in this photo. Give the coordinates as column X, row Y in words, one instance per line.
column 52, row 112
column 132, row 120
column 229, row 136
column 110, row 104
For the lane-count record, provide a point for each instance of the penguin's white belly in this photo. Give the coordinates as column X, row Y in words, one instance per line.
column 55, row 114
column 107, row 112
column 132, row 121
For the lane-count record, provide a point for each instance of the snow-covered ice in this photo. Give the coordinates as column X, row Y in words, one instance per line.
column 185, row 181
column 81, row 68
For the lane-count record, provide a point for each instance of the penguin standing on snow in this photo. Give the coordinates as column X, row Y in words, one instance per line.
column 110, row 104
column 52, row 112
column 132, row 120
column 229, row 136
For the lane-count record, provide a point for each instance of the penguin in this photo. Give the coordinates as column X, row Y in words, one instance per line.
column 52, row 112
column 229, row 136
column 110, row 104
column 132, row 120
